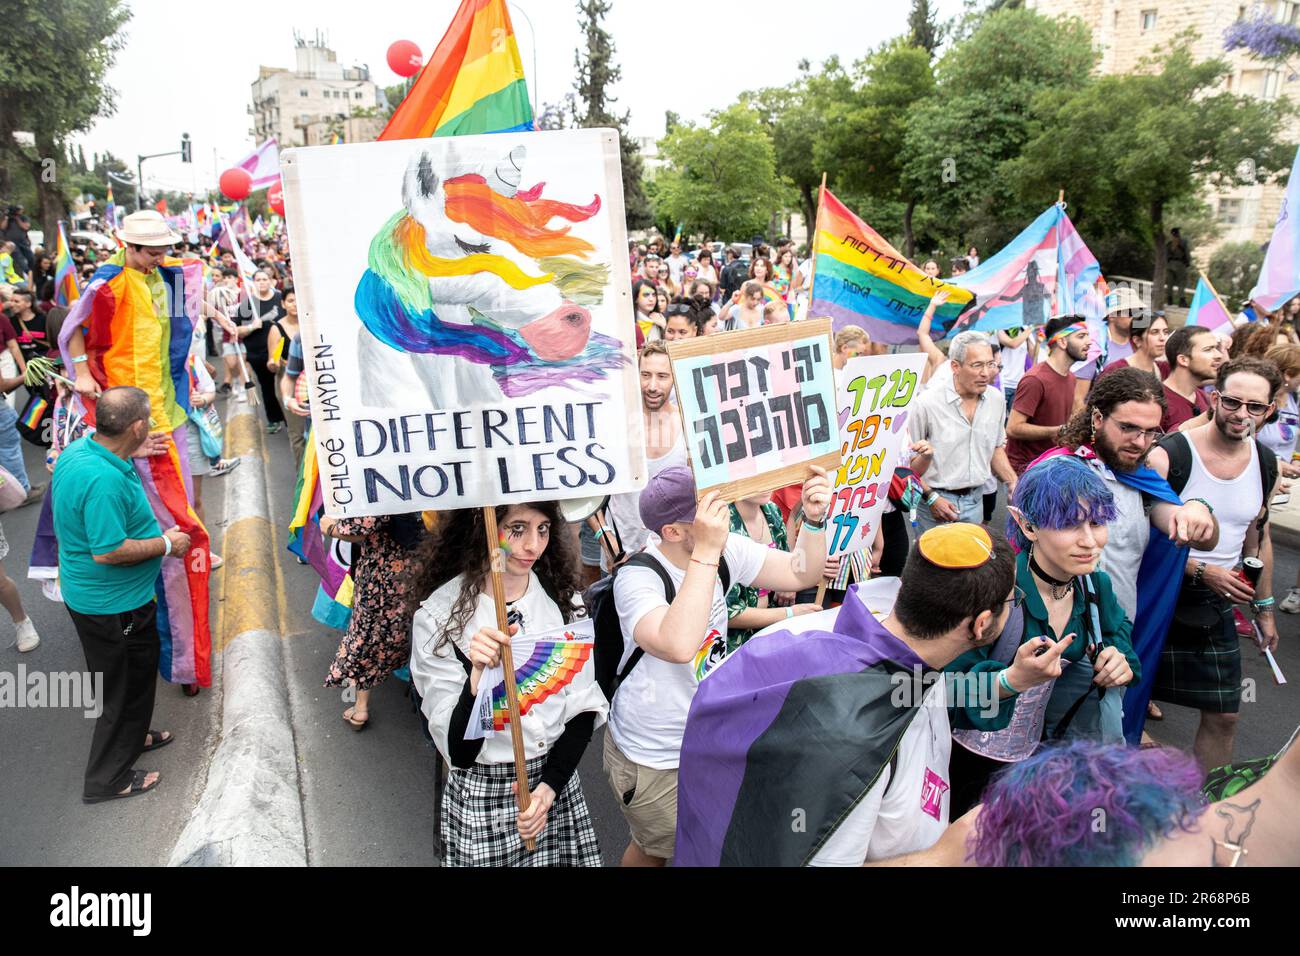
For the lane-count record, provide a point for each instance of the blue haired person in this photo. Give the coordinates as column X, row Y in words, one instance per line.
column 1057, row 520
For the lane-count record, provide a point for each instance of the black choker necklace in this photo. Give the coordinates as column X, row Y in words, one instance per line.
column 1058, row 588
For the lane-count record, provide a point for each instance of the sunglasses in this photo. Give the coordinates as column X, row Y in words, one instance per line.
column 677, row 310
column 1231, row 404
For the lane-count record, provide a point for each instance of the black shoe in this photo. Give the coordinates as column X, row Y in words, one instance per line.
column 225, row 388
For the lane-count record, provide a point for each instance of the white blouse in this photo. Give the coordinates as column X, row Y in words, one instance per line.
column 440, row 678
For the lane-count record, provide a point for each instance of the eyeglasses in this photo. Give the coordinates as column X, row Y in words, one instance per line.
column 1231, row 404
column 1133, row 431
column 1017, row 598
column 982, row 366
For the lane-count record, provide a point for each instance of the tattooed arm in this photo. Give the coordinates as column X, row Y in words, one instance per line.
column 1256, row 827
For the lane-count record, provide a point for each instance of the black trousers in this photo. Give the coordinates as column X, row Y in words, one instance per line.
column 124, row 648
column 897, row 544
column 266, row 378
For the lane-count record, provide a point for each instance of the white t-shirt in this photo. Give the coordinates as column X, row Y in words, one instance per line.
column 1130, row 533
column 1013, row 364
column 675, row 266
column 648, row 716
column 941, row 377
column 885, row 825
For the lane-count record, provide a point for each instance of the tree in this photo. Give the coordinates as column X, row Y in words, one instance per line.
column 556, row 115
column 1177, row 136
column 980, row 117
column 53, row 60
column 721, row 179
column 865, row 133
column 1233, row 270
column 595, row 74
column 923, row 30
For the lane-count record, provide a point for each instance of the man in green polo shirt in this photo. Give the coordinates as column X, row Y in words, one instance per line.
column 110, row 550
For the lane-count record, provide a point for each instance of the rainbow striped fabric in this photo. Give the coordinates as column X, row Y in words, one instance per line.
column 1207, row 310
column 473, row 82
column 331, row 560
column 552, row 661
column 66, row 289
column 860, row 279
column 1279, row 278
column 35, row 412
column 137, row 329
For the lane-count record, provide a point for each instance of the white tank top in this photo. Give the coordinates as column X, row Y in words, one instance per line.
column 1236, row 502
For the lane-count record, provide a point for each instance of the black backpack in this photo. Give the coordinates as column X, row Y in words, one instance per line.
column 1179, row 450
column 599, row 601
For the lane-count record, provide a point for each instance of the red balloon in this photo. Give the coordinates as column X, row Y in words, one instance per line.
column 275, row 199
column 405, row 58
column 236, row 183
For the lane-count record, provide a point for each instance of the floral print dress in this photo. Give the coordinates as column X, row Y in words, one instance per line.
column 742, row 596
column 379, row 635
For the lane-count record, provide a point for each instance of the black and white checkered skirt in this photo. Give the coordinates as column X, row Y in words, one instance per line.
column 479, row 814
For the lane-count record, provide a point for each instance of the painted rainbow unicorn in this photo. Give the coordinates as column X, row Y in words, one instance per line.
column 471, row 297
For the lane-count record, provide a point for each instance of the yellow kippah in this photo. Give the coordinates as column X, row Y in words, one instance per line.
column 956, row 546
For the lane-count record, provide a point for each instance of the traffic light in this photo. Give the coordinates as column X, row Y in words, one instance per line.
column 185, row 148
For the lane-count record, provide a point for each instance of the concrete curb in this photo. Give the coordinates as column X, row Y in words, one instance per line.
column 250, row 812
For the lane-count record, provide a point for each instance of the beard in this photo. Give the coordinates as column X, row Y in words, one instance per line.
column 1110, row 457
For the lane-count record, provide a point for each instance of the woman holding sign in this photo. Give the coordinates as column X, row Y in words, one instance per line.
column 455, row 642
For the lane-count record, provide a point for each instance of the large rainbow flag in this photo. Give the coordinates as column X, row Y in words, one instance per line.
column 137, row 329
column 1044, row 272
column 66, row 289
column 473, row 82
column 1279, row 278
column 860, row 279
column 1207, row 310
column 332, row 560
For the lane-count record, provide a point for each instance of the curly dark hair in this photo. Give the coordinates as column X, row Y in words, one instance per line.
column 458, row 546
column 1110, row 391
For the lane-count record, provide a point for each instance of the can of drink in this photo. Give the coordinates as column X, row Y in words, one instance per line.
column 1251, row 569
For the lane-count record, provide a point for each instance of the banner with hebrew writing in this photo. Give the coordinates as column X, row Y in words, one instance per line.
column 757, row 406
column 466, row 320
column 875, row 393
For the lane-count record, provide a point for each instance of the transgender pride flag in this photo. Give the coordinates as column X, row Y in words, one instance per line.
column 263, row 165
column 1279, row 279
column 1207, row 310
column 1044, row 272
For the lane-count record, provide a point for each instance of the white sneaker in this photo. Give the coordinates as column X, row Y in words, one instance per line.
column 241, row 396
column 28, row 640
column 1291, row 603
column 215, row 560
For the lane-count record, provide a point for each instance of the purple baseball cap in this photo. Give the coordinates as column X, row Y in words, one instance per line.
column 669, row 497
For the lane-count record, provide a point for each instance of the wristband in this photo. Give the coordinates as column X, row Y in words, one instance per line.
column 707, row 564
column 931, row 498
column 1199, row 572
column 167, row 545
column 1006, row 684
column 1264, row 604
column 78, row 359
column 789, row 613
column 1208, row 507
column 814, row 525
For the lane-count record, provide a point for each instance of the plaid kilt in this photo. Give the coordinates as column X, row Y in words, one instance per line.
column 478, row 821
column 1201, row 663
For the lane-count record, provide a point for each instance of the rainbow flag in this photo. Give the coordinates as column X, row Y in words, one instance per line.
column 860, row 279
column 110, row 210
column 137, row 329
column 1207, row 309
column 66, row 289
column 35, row 413
column 1279, row 278
column 332, row 560
column 473, row 82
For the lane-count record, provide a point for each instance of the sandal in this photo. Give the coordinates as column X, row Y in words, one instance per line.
column 137, row 788
column 350, row 716
column 1154, row 712
column 158, row 740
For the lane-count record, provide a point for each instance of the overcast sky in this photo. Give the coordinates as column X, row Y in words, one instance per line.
column 689, row 57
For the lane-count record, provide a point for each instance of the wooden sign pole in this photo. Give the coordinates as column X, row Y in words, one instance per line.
column 507, row 662
column 596, row 523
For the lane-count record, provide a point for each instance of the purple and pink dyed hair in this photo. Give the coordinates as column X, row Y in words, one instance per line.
column 1086, row 804
column 1060, row 492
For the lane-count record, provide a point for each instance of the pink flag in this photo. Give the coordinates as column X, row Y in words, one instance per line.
column 1279, row 279
column 263, row 164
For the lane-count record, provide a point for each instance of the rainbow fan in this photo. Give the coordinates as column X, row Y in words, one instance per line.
column 549, row 669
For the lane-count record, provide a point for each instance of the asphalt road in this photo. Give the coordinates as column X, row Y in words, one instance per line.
column 368, row 796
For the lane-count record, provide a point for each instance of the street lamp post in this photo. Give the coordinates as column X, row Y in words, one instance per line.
column 532, row 30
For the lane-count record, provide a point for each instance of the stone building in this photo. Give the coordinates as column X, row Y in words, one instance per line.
column 318, row 98
column 1125, row 31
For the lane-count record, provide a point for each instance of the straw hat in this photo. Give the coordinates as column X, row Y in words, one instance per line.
column 147, row 228
column 1124, row 299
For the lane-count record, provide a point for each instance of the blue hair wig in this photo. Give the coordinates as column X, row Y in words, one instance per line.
column 1086, row 804
column 1059, row 492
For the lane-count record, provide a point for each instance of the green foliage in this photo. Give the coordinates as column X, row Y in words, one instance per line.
column 924, row 30
column 721, row 179
column 595, row 74
column 1234, row 267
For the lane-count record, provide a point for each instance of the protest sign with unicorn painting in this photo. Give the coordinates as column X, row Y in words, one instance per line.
column 467, row 339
